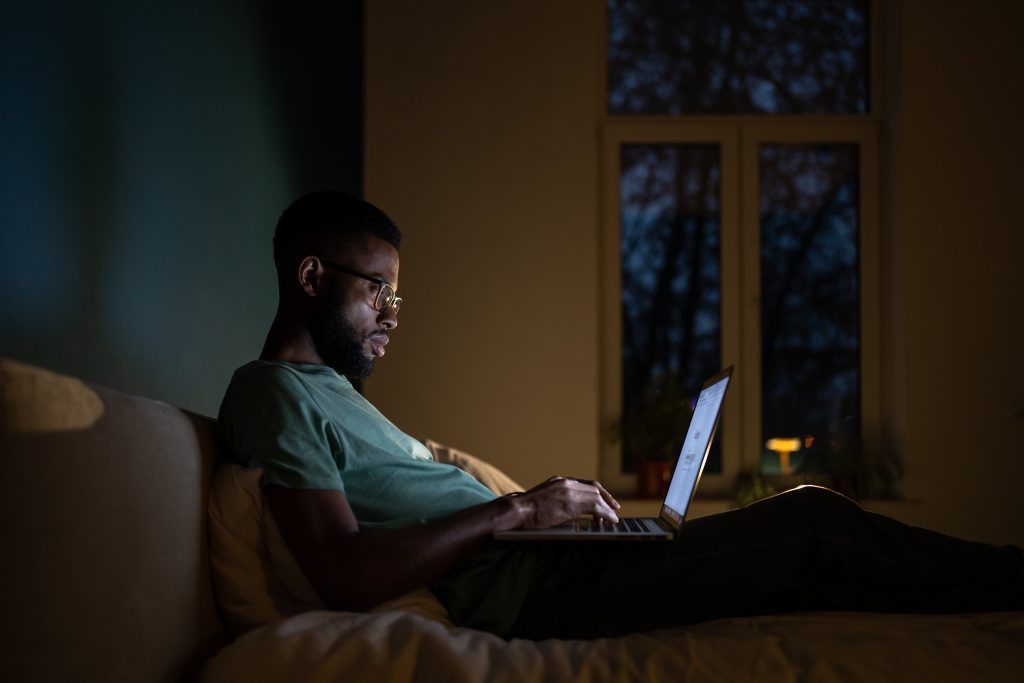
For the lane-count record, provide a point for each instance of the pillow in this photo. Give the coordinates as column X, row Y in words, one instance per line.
column 35, row 401
column 485, row 473
column 256, row 578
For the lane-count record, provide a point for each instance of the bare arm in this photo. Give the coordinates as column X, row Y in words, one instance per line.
column 352, row 569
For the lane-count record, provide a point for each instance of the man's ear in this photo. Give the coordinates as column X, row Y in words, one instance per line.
column 310, row 272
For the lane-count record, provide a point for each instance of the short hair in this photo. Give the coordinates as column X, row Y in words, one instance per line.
column 331, row 214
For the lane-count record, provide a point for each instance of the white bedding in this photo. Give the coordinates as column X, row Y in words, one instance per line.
column 411, row 639
column 398, row 645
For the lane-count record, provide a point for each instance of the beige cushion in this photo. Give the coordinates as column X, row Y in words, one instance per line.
column 487, row 474
column 257, row 579
column 105, row 568
column 37, row 401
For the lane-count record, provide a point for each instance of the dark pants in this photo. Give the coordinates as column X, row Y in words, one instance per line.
column 806, row 549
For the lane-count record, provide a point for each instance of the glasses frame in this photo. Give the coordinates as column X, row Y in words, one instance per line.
column 396, row 301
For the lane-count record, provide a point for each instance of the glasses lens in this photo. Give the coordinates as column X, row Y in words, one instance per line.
column 397, row 303
column 385, row 297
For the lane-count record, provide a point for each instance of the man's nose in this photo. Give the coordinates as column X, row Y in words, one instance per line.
column 388, row 319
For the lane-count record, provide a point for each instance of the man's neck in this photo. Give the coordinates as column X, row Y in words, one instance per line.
column 290, row 342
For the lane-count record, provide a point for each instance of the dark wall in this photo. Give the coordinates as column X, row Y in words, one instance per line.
column 147, row 152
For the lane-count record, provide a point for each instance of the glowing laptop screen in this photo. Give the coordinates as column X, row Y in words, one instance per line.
column 695, row 448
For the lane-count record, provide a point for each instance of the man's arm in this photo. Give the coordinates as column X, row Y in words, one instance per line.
column 352, row 569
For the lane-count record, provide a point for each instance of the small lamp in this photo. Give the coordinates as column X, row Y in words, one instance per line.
column 783, row 447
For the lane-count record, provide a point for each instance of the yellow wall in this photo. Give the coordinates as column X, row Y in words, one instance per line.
column 481, row 142
column 482, row 124
column 953, row 282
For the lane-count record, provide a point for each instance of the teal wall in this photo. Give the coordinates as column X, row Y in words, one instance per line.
column 147, row 152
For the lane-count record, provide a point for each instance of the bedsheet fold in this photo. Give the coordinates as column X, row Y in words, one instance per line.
column 822, row 646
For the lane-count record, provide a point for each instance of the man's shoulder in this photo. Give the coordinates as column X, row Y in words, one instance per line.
column 273, row 375
column 272, row 416
column 263, row 386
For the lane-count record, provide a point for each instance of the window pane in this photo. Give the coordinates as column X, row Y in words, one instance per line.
column 670, row 292
column 737, row 57
column 810, row 302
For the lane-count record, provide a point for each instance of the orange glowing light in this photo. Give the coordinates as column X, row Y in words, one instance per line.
column 783, row 447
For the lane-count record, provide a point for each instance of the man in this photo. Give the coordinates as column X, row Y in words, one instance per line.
column 369, row 516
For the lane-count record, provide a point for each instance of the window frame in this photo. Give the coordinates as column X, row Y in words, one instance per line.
column 614, row 135
column 740, row 254
column 864, row 136
column 739, row 139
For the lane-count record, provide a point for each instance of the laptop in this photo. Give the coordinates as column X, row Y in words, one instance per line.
column 692, row 458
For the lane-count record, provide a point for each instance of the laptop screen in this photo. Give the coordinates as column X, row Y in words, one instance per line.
column 695, row 448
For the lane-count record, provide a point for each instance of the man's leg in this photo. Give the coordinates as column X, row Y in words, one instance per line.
column 806, row 549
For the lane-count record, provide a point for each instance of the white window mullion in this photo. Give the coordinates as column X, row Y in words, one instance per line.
column 750, row 286
column 870, row 291
column 733, row 420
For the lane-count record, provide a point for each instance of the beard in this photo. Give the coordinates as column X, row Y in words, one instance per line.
column 336, row 341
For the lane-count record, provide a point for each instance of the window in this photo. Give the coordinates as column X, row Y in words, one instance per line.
column 685, row 57
column 670, row 288
column 740, row 205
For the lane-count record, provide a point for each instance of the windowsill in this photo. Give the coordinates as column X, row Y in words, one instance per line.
column 703, row 506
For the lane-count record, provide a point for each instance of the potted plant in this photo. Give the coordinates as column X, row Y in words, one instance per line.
column 651, row 432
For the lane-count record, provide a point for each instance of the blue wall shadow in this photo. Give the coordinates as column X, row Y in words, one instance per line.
column 148, row 151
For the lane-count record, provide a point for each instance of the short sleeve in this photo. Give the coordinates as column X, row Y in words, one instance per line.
column 269, row 419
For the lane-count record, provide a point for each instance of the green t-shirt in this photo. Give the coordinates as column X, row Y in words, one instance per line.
column 308, row 428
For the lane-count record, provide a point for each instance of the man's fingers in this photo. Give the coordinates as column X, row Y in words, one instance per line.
column 603, row 511
column 608, row 498
column 563, row 498
column 605, row 505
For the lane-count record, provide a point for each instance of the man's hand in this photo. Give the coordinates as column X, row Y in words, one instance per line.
column 561, row 499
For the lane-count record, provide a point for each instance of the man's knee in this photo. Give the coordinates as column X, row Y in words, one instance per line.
column 806, row 505
column 819, row 499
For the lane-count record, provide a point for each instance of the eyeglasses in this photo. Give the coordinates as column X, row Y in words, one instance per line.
column 385, row 297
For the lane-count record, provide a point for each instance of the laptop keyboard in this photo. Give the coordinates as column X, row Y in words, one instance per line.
column 625, row 525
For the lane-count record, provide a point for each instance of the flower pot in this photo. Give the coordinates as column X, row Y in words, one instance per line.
column 652, row 478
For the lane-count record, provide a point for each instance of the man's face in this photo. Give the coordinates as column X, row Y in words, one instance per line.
column 348, row 332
